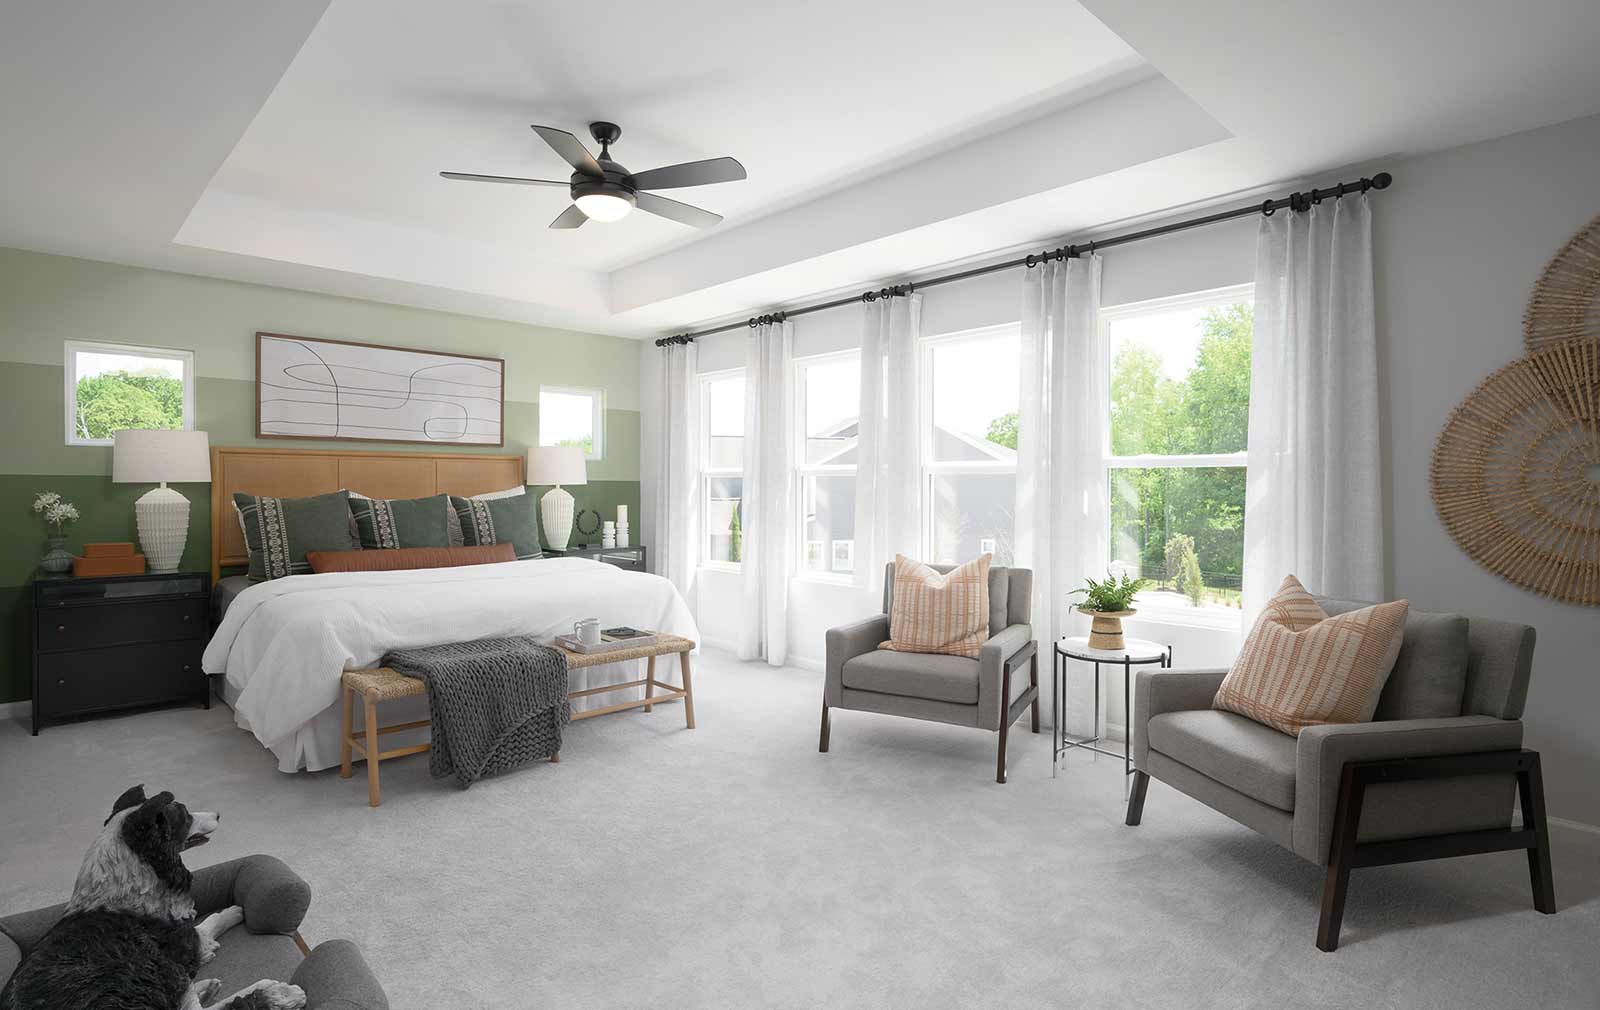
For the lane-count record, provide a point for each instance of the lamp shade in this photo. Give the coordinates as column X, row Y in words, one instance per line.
column 154, row 455
column 557, row 464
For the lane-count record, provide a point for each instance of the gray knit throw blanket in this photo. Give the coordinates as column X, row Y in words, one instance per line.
column 496, row 704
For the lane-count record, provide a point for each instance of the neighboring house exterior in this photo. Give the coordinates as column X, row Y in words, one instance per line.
column 972, row 511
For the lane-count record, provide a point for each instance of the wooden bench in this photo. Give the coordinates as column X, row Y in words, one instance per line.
column 379, row 684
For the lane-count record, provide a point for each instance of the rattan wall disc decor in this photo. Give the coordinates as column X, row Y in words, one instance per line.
column 1516, row 472
column 1566, row 300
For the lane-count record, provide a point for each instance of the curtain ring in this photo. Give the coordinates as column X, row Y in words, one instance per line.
column 1267, row 208
column 1028, row 260
column 1091, row 248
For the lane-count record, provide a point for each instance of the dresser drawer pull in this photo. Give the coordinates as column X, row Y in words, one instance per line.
column 186, row 617
column 61, row 627
column 186, row 668
column 61, row 683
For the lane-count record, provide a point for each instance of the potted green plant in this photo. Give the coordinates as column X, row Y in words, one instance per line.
column 1108, row 602
column 57, row 514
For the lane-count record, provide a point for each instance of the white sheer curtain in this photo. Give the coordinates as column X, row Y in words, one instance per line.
column 1061, row 518
column 888, row 488
column 1313, row 494
column 677, row 491
column 767, row 511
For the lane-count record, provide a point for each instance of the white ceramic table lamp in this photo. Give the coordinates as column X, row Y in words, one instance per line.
column 558, row 465
column 144, row 456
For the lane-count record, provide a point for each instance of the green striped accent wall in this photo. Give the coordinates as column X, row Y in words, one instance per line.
column 46, row 300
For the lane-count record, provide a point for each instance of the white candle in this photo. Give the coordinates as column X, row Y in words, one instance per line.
column 622, row 515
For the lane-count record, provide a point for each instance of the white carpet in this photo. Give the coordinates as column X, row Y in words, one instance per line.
column 734, row 866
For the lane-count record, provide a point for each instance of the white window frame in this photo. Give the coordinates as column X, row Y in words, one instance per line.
column 597, row 416
column 803, row 470
column 708, row 472
column 70, row 380
column 932, row 468
column 1154, row 608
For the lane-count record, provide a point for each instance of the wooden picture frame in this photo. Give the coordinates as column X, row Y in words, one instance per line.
column 381, row 385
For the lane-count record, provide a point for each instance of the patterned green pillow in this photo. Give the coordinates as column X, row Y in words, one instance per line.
column 499, row 521
column 403, row 522
column 280, row 531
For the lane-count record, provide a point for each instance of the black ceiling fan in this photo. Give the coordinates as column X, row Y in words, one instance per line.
column 604, row 190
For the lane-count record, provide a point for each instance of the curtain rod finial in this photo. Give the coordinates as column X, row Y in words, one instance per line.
column 1382, row 180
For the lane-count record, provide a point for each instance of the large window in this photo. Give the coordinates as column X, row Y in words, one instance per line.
column 111, row 387
column 1180, row 408
column 573, row 417
column 969, row 444
column 828, row 405
column 722, row 466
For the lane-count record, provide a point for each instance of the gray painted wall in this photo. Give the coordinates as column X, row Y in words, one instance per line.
column 1459, row 241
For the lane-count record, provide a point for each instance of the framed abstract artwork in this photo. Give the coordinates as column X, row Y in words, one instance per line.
column 307, row 387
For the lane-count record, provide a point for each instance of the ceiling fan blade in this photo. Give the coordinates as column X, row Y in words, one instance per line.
column 572, row 217
column 571, row 149
column 474, row 177
column 675, row 211
column 691, row 173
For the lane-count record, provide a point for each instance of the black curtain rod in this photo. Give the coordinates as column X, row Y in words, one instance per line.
column 1294, row 201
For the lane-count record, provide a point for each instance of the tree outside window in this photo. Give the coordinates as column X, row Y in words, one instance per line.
column 1180, row 407
column 114, row 387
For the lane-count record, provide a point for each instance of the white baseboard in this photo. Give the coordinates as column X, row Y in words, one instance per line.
column 720, row 645
column 1562, row 822
column 19, row 710
column 807, row 663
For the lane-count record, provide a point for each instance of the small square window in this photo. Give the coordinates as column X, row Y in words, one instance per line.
column 573, row 417
column 114, row 387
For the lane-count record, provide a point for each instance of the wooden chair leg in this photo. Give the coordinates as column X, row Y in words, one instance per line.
column 1141, row 782
column 348, row 696
column 373, row 797
column 1033, row 679
column 688, row 690
column 649, row 681
column 822, row 741
column 1000, row 759
column 1005, row 725
column 555, row 758
column 1341, row 857
column 1530, row 792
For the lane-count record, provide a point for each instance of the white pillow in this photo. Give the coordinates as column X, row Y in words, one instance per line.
column 510, row 492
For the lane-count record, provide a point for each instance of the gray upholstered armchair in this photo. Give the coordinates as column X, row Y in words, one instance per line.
column 988, row 692
column 1432, row 776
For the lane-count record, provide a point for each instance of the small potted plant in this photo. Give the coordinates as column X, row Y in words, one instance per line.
column 57, row 513
column 1108, row 602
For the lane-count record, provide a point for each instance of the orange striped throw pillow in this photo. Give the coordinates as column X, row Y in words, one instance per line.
column 1299, row 667
column 948, row 613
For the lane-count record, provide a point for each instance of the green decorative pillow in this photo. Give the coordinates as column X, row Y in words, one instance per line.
column 499, row 521
column 279, row 532
column 404, row 522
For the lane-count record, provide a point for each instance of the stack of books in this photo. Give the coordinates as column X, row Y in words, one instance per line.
column 108, row 559
column 611, row 640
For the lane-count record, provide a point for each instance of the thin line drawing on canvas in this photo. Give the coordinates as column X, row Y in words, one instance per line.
column 309, row 388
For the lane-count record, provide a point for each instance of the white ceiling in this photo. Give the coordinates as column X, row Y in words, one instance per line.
column 298, row 143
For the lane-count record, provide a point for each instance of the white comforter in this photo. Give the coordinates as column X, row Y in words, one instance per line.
column 284, row 643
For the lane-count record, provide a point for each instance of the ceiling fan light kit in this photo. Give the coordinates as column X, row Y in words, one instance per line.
column 603, row 190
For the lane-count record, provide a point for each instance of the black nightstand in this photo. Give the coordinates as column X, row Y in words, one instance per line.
column 118, row 642
column 631, row 558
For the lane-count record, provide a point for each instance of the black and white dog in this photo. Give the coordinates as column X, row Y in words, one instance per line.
column 128, row 938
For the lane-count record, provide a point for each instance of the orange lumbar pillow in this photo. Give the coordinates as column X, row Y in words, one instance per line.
column 1299, row 667
column 402, row 558
column 948, row 613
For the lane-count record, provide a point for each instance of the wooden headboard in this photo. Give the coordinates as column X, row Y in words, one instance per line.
column 298, row 473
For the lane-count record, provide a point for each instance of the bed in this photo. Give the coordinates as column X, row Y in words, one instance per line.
column 281, row 646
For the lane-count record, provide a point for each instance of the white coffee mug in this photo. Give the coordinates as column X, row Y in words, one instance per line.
column 587, row 630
